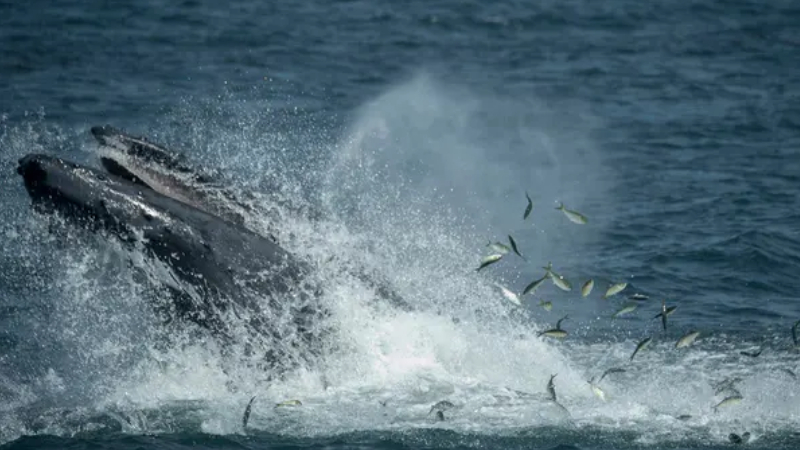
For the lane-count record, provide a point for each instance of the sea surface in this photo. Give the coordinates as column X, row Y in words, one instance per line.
column 415, row 129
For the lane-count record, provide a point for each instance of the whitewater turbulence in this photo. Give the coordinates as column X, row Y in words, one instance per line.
column 409, row 193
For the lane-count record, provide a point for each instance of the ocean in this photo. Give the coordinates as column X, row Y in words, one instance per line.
column 415, row 130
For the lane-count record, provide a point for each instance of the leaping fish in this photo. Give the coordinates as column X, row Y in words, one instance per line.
column 556, row 332
column 510, row 295
column 641, row 346
column 627, row 309
column 557, row 279
column 573, row 216
column 587, row 287
column 246, row 416
column 728, row 401
column 665, row 311
column 687, row 339
column 514, row 246
column 528, row 208
column 533, row 285
column 551, row 388
column 489, row 260
column 615, row 289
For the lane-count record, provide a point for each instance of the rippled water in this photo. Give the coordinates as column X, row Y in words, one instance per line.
column 416, row 130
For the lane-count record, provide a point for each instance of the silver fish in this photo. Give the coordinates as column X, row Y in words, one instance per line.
column 489, row 260
column 573, row 216
column 548, row 306
column 615, row 289
column 587, row 287
column 728, row 401
column 551, row 388
column 557, row 279
column 246, row 416
column 687, row 339
column 533, row 285
column 597, row 391
column 499, row 247
column 641, row 346
column 627, row 309
column 514, row 246
column 555, row 332
column 638, row 297
column 510, row 295
column 528, row 208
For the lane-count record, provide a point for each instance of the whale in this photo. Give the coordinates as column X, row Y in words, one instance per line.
column 226, row 279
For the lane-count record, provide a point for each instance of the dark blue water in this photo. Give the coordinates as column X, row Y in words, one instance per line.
column 417, row 128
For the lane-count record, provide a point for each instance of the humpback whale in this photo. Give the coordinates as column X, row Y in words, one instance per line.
column 228, row 277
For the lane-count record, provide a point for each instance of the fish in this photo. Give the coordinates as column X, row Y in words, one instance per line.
column 752, row 354
column 638, row 297
column 615, row 289
column 555, row 332
column 489, row 260
column 546, row 305
column 440, row 416
column 510, row 295
column 597, row 391
column 551, row 388
column 573, row 216
column 443, row 405
column 625, row 310
column 687, row 339
column 610, row 371
column 641, row 346
column 514, row 246
column 728, row 401
column 557, row 279
column 587, row 287
column 528, row 208
column 289, row 403
column 499, row 247
column 684, row 417
column 795, row 338
column 246, row 416
column 665, row 311
column 533, row 285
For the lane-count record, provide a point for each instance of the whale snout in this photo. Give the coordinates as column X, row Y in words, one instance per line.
column 31, row 168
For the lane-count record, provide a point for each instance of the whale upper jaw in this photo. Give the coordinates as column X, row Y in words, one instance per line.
column 148, row 164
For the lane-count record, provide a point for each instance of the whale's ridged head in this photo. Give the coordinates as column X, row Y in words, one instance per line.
column 82, row 194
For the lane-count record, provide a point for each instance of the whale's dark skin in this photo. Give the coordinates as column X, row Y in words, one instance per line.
column 169, row 172
column 146, row 163
column 234, row 271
